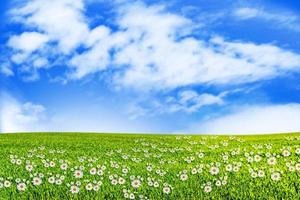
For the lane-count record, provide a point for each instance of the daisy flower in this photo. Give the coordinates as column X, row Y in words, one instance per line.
column 7, row 183
column 93, row 171
column 166, row 190
column 51, row 180
column 214, row 170
column 272, row 161
column 64, row 166
column 207, row 189
column 78, row 174
column 74, row 189
column 89, row 187
column 275, row 176
column 21, row 186
column 37, row 181
column 136, row 183
column 184, row 177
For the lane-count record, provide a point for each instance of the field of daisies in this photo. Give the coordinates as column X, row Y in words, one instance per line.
column 112, row 166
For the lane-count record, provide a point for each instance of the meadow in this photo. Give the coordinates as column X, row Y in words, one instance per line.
column 125, row 166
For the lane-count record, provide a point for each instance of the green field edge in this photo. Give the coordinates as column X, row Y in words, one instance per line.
column 159, row 134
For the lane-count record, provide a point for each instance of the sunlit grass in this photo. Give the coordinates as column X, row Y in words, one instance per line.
column 115, row 166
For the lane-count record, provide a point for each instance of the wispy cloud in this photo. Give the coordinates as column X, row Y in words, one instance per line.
column 27, row 42
column 253, row 119
column 23, row 116
column 16, row 116
column 191, row 101
column 149, row 48
column 185, row 101
column 144, row 47
column 281, row 19
column 247, row 13
column 6, row 69
column 61, row 21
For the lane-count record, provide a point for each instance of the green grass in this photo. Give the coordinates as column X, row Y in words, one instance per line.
column 171, row 158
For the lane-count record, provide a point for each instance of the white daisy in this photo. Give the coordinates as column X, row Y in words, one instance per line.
column 218, row 183
column 37, row 181
column 74, row 189
column 286, row 153
column 78, row 174
column 136, row 183
column 166, row 190
column 114, row 182
column 184, row 177
column 121, row 181
column 275, row 176
column 93, row 171
column 297, row 166
column 214, row 170
column 29, row 168
column 64, row 166
column 228, row 168
column 194, row 171
column 253, row 174
column 131, row 196
column 207, row 189
column 260, row 173
column 21, row 186
column 7, row 183
column 89, row 187
column 96, row 188
column 58, row 182
column 51, row 180
column 272, row 161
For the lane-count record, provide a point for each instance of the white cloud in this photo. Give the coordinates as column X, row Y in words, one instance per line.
column 25, row 44
column 149, row 48
column 95, row 59
column 160, row 58
column 39, row 62
column 20, row 117
column 254, row 120
column 247, row 13
column 191, row 101
column 186, row 101
column 279, row 18
column 6, row 69
column 61, row 20
column 27, row 41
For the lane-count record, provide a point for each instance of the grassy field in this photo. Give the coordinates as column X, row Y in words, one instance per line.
column 112, row 166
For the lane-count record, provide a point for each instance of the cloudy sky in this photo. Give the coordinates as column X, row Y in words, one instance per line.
column 218, row 66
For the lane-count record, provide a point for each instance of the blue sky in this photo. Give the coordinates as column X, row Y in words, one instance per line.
column 220, row 67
